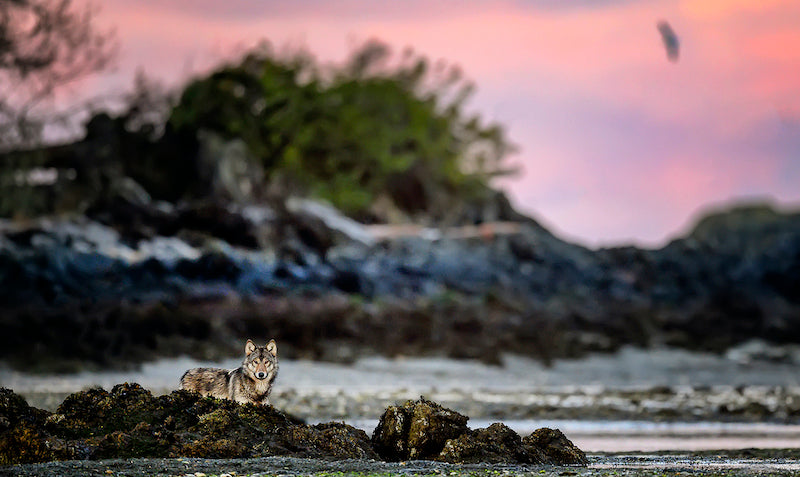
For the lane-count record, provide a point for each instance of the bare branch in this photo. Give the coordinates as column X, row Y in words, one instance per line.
column 44, row 46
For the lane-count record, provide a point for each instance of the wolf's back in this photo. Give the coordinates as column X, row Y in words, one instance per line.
column 207, row 381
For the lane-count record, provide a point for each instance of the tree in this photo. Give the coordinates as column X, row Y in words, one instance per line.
column 376, row 128
column 44, row 45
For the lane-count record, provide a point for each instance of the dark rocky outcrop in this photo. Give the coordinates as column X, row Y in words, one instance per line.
column 21, row 428
column 425, row 430
column 555, row 446
column 496, row 444
column 130, row 422
column 183, row 274
column 416, row 430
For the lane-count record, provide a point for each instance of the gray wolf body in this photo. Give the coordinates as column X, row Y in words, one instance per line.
column 249, row 383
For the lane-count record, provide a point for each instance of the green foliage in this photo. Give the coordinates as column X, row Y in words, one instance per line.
column 351, row 133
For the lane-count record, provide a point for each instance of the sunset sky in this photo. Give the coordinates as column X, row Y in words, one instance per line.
column 617, row 144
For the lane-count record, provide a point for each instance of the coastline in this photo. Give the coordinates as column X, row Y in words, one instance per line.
column 590, row 399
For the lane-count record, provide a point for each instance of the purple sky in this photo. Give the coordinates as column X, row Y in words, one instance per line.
column 617, row 144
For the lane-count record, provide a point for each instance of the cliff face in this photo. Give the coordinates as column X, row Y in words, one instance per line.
column 157, row 279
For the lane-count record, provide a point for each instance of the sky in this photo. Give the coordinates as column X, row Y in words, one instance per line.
column 617, row 144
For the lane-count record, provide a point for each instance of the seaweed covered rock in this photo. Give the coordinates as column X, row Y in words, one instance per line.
column 416, row 430
column 96, row 411
column 494, row 444
column 334, row 439
column 130, row 422
column 21, row 439
column 555, row 446
column 14, row 410
column 423, row 429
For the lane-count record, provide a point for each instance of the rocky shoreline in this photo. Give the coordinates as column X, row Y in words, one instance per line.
column 305, row 394
column 111, row 292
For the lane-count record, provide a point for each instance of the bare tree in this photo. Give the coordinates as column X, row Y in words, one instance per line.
column 44, row 46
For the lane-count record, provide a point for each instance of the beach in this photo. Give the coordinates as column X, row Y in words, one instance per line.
column 635, row 412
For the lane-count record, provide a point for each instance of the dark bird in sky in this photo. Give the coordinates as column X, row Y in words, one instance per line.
column 670, row 40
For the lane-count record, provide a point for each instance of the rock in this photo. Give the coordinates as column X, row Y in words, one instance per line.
column 344, row 228
column 555, row 446
column 228, row 168
column 132, row 192
column 754, row 351
column 209, row 267
column 416, row 430
column 216, row 219
column 334, row 439
column 497, row 444
column 21, row 436
column 732, row 279
column 130, row 422
column 14, row 411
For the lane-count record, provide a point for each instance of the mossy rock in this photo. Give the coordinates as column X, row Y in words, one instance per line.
column 556, row 447
column 97, row 412
column 210, row 448
column 496, row 444
column 129, row 422
column 21, row 437
column 14, row 410
column 334, row 439
column 23, row 444
column 417, row 430
column 142, row 440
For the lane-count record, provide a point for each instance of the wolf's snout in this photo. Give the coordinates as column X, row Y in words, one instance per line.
column 261, row 375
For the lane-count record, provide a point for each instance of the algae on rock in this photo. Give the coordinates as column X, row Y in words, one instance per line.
column 130, row 422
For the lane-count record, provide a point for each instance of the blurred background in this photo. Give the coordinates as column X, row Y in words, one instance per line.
column 581, row 211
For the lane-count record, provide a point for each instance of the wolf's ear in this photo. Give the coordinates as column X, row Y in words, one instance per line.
column 272, row 348
column 249, row 347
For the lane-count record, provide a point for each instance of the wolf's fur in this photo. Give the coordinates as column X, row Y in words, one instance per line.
column 251, row 382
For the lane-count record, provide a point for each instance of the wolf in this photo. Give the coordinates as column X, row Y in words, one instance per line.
column 249, row 383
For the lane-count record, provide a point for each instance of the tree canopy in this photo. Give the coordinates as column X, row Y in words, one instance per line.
column 374, row 126
column 44, row 45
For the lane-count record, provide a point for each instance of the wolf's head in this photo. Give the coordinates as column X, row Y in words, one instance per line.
column 261, row 362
